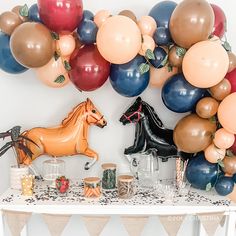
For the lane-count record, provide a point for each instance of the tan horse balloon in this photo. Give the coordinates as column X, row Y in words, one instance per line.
column 67, row 139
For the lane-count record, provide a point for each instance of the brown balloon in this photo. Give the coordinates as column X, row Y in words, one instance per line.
column 32, row 45
column 232, row 61
column 174, row 58
column 192, row 21
column 16, row 10
column 229, row 165
column 193, row 134
column 129, row 14
column 207, row 107
column 9, row 21
column 221, row 90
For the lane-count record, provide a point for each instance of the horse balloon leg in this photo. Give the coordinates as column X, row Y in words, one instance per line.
column 90, row 153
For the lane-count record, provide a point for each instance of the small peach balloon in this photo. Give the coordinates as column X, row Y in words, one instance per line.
column 214, row 154
column 221, row 90
column 129, row 14
column 148, row 43
column 66, row 44
column 147, row 25
column 207, row 107
column 232, row 61
column 232, row 196
column 101, row 17
column 223, row 139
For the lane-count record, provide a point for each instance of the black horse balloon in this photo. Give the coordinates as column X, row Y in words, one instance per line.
column 150, row 133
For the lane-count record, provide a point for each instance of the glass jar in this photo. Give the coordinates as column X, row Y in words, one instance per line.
column 126, row 188
column 92, row 187
column 109, row 176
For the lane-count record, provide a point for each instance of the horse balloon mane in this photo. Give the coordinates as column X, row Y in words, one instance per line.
column 150, row 133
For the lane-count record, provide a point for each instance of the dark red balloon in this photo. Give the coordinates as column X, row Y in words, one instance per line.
column 220, row 21
column 232, row 79
column 89, row 69
column 233, row 148
column 61, row 16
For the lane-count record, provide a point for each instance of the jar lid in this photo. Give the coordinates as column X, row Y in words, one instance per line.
column 109, row 166
column 92, row 180
column 126, row 178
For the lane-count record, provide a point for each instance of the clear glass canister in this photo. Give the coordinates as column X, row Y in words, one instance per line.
column 92, row 187
column 126, row 188
column 109, row 176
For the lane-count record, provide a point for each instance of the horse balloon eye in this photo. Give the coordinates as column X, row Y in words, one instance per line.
column 93, row 111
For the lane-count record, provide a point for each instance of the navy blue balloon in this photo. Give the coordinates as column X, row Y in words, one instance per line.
column 162, row 12
column 34, row 13
column 88, row 15
column 234, row 178
column 162, row 36
column 7, row 61
column 200, row 172
column 87, row 32
column 127, row 80
column 179, row 95
column 224, row 186
column 160, row 55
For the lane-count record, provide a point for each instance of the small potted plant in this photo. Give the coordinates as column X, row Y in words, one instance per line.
column 62, row 184
column 17, row 143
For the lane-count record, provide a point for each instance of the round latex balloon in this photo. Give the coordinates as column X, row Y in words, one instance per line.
column 158, row 77
column 232, row 195
column 231, row 77
column 162, row 36
column 162, row 12
column 180, row 96
column 53, row 74
column 121, row 45
column 127, row 80
column 160, row 55
column 34, row 13
column 66, row 45
column 32, row 45
column 200, row 172
column 224, row 185
column 191, row 22
column 16, row 10
column 220, row 25
column 128, row 14
column 89, row 69
column 221, row 90
column 88, row 15
column 7, row 61
column 230, row 165
column 193, row 134
column 147, row 25
column 9, row 21
column 101, row 17
column 223, row 139
column 232, row 61
column 61, row 16
column 233, row 148
column 205, row 64
column 207, row 107
column 214, row 154
column 227, row 113
column 148, row 43
column 176, row 56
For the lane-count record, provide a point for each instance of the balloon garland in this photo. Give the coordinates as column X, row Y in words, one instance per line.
column 62, row 43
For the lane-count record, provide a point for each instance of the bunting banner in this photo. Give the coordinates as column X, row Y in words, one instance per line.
column 95, row 225
column 211, row 221
column 134, row 225
column 16, row 221
column 56, row 223
column 172, row 223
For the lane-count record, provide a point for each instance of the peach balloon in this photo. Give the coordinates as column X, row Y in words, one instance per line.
column 49, row 73
column 205, row 64
column 214, row 154
column 223, row 139
column 158, row 77
column 119, row 39
column 232, row 196
column 66, row 44
column 148, row 43
column 147, row 25
column 227, row 113
column 101, row 16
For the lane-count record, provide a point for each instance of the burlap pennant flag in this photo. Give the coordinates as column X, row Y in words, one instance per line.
column 172, row 223
column 56, row 223
column 16, row 221
column 134, row 225
column 95, row 224
column 211, row 221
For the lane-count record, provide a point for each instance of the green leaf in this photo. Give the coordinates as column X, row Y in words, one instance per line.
column 6, row 146
column 60, row 79
column 221, row 163
column 227, row 46
column 180, row 52
column 56, row 55
column 55, row 36
column 24, row 11
column 15, row 133
column 67, row 66
column 29, row 140
column 229, row 153
column 149, row 54
column 165, row 61
column 170, row 68
column 144, row 68
column 208, row 187
column 226, row 25
column 213, row 120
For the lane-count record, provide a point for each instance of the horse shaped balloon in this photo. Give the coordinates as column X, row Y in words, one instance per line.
column 150, row 133
column 67, row 139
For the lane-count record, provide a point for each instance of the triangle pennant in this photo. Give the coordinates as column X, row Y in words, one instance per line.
column 172, row 223
column 222, row 222
column 16, row 221
column 95, row 225
column 134, row 225
column 211, row 221
column 56, row 223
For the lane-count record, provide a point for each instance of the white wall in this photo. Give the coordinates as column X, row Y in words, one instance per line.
column 25, row 101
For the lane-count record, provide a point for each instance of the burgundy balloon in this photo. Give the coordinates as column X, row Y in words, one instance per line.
column 89, row 69
column 220, row 21
column 61, row 16
column 232, row 79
